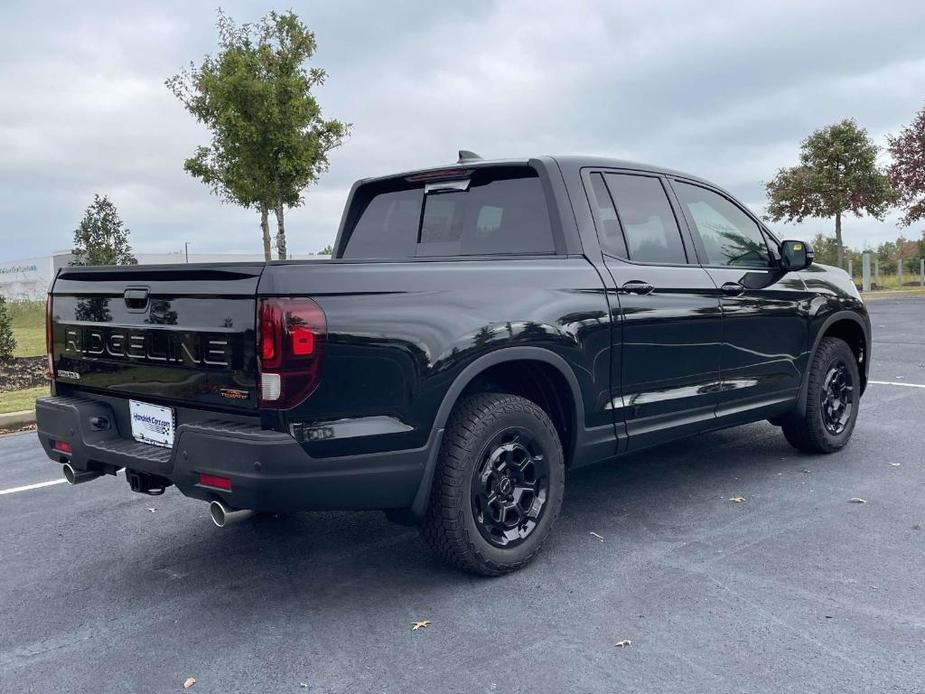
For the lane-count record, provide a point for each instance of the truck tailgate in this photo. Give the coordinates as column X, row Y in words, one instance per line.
column 180, row 333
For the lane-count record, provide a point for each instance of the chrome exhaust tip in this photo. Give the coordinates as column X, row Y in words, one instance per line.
column 222, row 515
column 74, row 476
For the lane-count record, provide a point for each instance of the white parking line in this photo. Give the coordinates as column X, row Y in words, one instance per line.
column 28, row 487
column 895, row 383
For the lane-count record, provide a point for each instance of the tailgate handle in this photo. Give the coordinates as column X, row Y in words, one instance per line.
column 136, row 299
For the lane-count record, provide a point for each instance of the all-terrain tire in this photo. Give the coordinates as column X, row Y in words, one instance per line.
column 809, row 432
column 451, row 526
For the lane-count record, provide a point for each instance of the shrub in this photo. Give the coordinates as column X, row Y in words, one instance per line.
column 7, row 341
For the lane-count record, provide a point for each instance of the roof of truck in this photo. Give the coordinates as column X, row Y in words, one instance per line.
column 567, row 161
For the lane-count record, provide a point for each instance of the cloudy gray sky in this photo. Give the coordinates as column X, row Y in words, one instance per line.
column 722, row 90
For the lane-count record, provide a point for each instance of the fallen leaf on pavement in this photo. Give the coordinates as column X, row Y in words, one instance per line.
column 737, row 499
column 599, row 537
column 857, row 500
column 152, row 509
column 189, row 682
column 895, row 464
column 624, row 643
column 304, row 685
column 422, row 624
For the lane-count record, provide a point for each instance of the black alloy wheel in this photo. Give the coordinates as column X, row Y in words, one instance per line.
column 833, row 391
column 837, row 398
column 498, row 484
column 509, row 487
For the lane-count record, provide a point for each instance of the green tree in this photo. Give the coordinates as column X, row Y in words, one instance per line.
column 269, row 138
column 7, row 341
column 101, row 238
column 825, row 249
column 327, row 250
column 907, row 171
column 887, row 253
column 837, row 174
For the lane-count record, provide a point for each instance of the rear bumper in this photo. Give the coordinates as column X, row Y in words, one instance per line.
column 269, row 470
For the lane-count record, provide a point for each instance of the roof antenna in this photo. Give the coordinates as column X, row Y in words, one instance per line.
column 465, row 155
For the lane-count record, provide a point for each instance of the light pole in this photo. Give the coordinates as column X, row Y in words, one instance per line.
column 186, row 249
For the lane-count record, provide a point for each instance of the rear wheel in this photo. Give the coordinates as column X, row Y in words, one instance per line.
column 498, row 486
column 832, row 398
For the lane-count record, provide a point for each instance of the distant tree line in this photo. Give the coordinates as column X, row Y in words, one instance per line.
column 888, row 253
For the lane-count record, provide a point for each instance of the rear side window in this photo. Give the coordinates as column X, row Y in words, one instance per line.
column 496, row 211
column 649, row 226
column 609, row 232
column 387, row 227
column 729, row 235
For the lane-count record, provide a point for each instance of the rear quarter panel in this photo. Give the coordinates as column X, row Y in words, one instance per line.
column 400, row 333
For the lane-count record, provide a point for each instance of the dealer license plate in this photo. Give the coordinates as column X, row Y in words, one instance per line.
column 152, row 423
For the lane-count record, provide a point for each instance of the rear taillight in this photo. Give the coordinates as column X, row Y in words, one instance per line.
column 290, row 344
column 49, row 341
column 61, row 446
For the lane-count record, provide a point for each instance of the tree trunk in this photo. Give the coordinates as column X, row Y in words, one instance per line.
column 280, row 233
column 839, row 247
column 265, row 228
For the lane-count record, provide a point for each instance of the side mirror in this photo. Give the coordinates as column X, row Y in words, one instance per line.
column 795, row 255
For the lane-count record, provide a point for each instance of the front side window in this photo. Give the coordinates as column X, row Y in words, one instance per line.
column 729, row 235
column 649, row 225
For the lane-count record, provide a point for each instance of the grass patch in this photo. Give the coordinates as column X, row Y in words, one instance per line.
column 891, row 282
column 19, row 400
column 28, row 319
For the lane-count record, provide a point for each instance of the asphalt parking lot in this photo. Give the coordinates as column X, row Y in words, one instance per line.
column 797, row 589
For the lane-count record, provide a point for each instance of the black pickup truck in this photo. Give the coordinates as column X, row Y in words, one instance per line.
column 482, row 328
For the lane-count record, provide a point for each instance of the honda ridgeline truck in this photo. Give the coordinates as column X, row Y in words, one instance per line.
column 482, row 328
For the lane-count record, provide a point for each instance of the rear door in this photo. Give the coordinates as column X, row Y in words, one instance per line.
column 178, row 334
column 765, row 311
column 669, row 371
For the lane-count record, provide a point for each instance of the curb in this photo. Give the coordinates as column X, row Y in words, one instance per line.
column 14, row 419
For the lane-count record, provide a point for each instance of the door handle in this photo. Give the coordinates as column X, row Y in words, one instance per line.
column 637, row 287
column 732, row 289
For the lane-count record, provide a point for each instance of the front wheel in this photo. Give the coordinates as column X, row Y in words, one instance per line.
column 498, row 486
column 832, row 398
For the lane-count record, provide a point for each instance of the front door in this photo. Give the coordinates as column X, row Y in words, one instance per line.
column 669, row 380
column 765, row 311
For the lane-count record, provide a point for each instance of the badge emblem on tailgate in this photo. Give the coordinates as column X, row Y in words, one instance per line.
column 233, row 394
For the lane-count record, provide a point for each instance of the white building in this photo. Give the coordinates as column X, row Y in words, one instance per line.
column 28, row 279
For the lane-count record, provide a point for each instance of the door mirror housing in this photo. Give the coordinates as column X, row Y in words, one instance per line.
column 795, row 255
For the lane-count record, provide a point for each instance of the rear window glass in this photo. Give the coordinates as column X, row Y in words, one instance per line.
column 502, row 210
